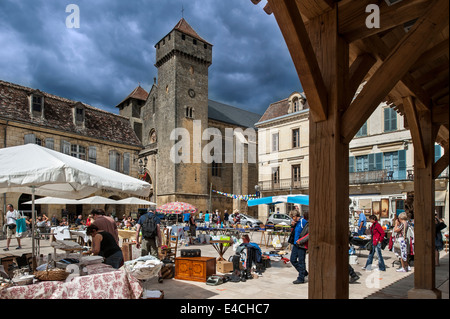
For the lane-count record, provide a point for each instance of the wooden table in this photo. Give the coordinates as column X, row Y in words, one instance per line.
column 219, row 246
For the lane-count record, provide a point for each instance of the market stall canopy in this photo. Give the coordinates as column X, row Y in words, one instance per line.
column 93, row 200
column 135, row 201
column 176, row 208
column 53, row 201
column 294, row 199
column 56, row 174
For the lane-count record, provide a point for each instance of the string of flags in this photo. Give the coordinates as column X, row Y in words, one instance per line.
column 234, row 196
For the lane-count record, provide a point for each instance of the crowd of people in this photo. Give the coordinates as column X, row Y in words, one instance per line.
column 105, row 240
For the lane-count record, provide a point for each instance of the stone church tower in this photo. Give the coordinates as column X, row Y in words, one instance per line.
column 177, row 99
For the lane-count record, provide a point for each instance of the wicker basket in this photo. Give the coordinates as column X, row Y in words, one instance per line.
column 51, row 274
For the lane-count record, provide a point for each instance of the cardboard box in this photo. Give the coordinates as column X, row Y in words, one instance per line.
column 224, row 266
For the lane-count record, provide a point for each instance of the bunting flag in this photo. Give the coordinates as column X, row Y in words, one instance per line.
column 234, row 196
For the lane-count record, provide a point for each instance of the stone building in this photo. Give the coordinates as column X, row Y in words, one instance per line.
column 31, row 116
column 178, row 101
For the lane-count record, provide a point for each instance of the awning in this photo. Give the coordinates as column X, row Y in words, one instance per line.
column 439, row 198
column 294, row 199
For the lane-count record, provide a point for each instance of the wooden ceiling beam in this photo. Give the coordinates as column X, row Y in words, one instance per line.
column 314, row 8
column 291, row 24
column 431, row 54
column 407, row 84
column 396, row 66
column 409, row 108
column 440, row 114
column 443, row 162
column 352, row 16
column 357, row 73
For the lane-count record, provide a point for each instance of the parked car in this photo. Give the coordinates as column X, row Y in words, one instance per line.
column 246, row 220
column 279, row 218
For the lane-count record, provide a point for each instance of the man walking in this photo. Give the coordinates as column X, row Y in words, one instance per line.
column 298, row 253
column 11, row 216
column 151, row 236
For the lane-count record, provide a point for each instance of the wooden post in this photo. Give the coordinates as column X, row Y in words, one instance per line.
column 424, row 226
column 328, row 168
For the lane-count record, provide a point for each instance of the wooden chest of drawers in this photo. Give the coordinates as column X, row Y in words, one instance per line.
column 194, row 268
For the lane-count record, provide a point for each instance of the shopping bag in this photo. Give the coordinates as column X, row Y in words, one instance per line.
column 21, row 228
column 276, row 243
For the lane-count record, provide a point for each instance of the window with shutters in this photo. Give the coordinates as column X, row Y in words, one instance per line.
column 295, row 138
column 390, row 120
column 50, row 143
column 114, row 161
column 276, row 175
column 275, row 142
column 126, row 163
column 362, row 131
column 29, row 139
column 92, row 154
column 78, row 151
column 65, row 147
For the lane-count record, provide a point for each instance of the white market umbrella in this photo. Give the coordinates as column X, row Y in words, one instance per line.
column 37, row 170
column 53, row 200
column 135, row 201
column 94, row 200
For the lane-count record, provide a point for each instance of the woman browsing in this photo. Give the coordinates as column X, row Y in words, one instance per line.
column 104, row 244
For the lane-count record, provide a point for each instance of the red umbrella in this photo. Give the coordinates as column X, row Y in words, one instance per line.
column 176, row 208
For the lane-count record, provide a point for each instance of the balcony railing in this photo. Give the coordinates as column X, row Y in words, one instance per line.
column 366, row 177
column 284, row 184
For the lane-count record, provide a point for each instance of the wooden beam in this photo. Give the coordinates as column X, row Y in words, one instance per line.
column 440, row 114
column 435, row 52
column 328, row 169
column 314, row 8
column 293, row 29
column 396, row 65
column 424, row 224
column 414, row 127
column 407, row 83
column 440, row 165
column 352, row 17
column 358, row 71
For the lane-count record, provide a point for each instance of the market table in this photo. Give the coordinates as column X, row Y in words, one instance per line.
column 109, row 285
column 221, row 247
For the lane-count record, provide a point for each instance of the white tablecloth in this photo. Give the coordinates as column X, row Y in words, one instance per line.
column 61, row 232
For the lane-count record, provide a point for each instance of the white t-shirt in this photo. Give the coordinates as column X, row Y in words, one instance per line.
column 11, row 217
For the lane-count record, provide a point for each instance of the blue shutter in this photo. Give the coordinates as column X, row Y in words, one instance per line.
column 437, row 153
column 402, row 164
column 351, row 164
column 379, row 161
column 372, row 166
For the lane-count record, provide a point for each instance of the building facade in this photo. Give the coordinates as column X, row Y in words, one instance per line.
column 283, row 153
column 31, row 116
column 381, row 161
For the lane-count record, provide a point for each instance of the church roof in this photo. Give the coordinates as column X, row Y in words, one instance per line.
column 232, row 115
column 138, row 93
column 185, row 28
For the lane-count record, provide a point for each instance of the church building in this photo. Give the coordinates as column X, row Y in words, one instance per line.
column 178, row 100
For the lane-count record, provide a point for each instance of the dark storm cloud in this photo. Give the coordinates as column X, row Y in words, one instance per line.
column 113, row 50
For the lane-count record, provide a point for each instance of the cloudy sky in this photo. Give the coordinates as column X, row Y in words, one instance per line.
column 113, row 51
